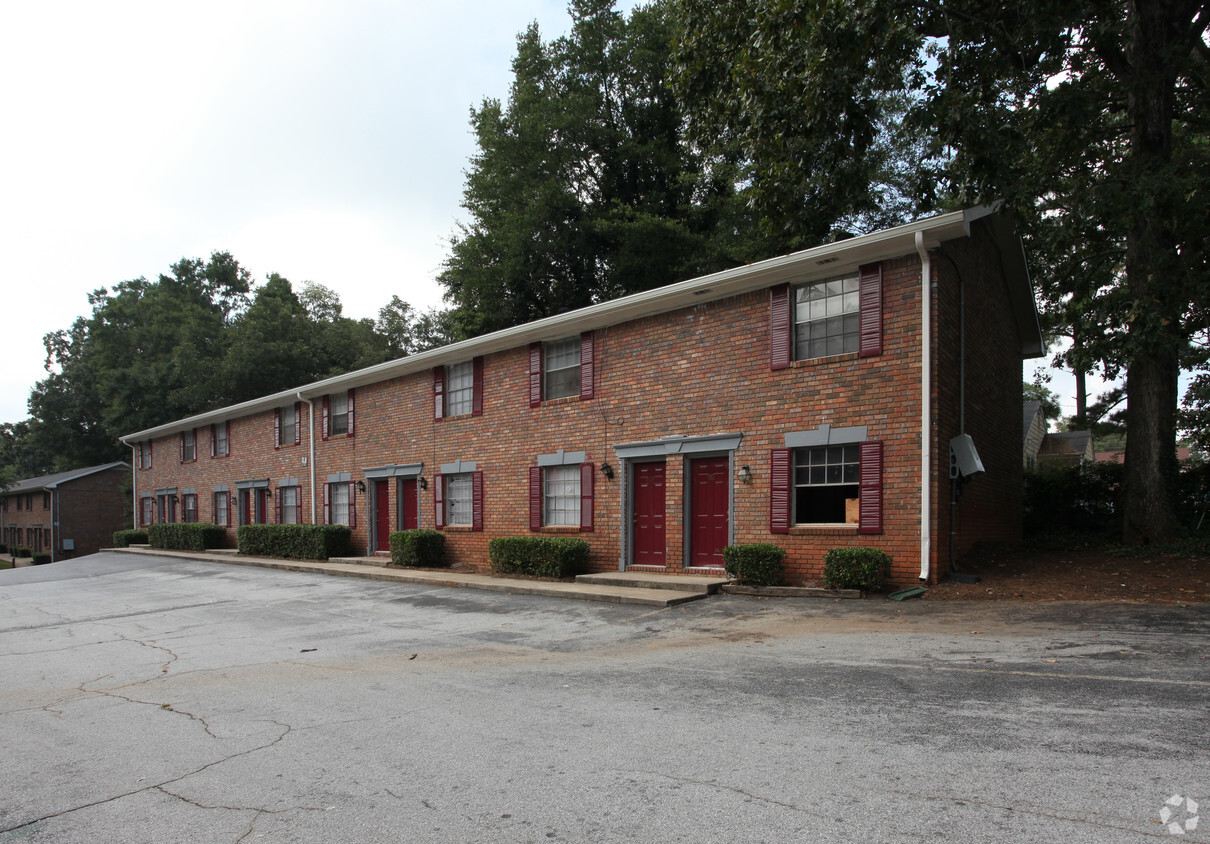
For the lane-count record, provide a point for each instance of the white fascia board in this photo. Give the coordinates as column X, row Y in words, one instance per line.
column 818, row 262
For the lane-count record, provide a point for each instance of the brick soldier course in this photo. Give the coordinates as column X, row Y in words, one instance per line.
column 67, row 514
column 705, row 394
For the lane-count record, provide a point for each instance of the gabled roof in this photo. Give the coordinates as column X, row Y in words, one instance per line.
column 820, row 262
column 1030, row 411
column 53, row 481
column 1066, row 442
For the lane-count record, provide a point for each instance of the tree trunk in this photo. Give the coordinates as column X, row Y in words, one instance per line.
column 1081, row 419
column 1154, row 365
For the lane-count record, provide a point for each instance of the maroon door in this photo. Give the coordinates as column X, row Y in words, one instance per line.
column 409, row 507
column 709, row 511
column 382, row 515
column 648, row 523
column 262, row 506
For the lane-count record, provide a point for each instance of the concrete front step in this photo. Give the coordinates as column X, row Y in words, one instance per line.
column 697, row 585
column 361, row 561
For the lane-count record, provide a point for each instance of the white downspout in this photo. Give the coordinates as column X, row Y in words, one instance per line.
column 311, row 441
column 926, row 434
column 134, row 487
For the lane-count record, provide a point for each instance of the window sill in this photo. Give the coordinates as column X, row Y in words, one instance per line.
column 458, row 528
column 559, row 529
column 824, row 530
column 810, row 363
column 560, row 400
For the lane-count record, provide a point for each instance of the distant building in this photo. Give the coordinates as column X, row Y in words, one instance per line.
column 68, row 514
column 1066, row 448
column 1034, row 425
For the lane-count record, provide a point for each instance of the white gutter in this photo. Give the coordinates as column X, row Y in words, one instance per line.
column 926, row 434
column 311, row 438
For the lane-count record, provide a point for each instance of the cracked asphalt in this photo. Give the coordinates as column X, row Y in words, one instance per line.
column 154, row 700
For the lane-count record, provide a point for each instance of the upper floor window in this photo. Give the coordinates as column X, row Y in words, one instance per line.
column 45, row 500
column 837, row 316
column 338, row 414
column 189, row 446
column 287, row 425
column 220, row 439
column 143, row 455
column 562, row 368
column 458, row 389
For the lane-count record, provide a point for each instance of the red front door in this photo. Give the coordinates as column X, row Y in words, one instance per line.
column 409, row 509
column 382, row 515
column 709, row 511
column 648, row 522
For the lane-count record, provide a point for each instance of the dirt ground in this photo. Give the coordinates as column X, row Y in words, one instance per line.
column 1092, row 574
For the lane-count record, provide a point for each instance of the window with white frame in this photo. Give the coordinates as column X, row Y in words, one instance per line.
column 144, row 455
column 222, row 512
column 146, row 510
column 188, row 446
column 339, row 503
column 460, row 388
column 826, row 489
column 827, row 318
column 222, row 440
column 338, row 418
column 561, row 496
column 459, row 499
column 189, row 507
column 288, row 500
column 561, row 365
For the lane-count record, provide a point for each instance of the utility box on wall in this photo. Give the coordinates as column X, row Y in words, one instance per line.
column 964, row 459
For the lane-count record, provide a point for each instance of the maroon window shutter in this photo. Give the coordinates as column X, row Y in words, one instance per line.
column 535, row 498
column 587, row 366
column 535, row 374
column 150, row 454
column 352, row 415
column 326, row 415
column 439, row 501
column 870, row 322
column 213, row 439
column 182, row 446
column 298, row 422
column 298, row 504
column 780, row 327
column 438, row 393
column 870, row 488
column 277, row 428
column 779, row 490
column 352, row 504
column 277, row 504
column 587, row 474
column 327, row 504
column 476, row 501
column 477, row 386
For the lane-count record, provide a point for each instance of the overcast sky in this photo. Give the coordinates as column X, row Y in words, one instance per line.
column 321, row 139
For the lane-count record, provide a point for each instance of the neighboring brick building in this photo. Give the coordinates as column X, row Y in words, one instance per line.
column 68, row 514
column 776, row 402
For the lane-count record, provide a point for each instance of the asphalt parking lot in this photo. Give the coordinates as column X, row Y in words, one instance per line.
column 154, row 700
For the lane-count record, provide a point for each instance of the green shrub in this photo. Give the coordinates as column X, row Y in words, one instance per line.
column 1074, row 500
column 21, row 551
column 126, row 538
column 756, row 565
column 3, row 548
column 418, row 548
column 856, row 568
column 186, row 536
column 300, row 542
column 41, row 559
column 539, row 556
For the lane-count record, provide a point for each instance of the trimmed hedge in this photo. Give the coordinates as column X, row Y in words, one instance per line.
column 418, row 548
column 126, row 538
column 538, row 556
column 856, row 568
column 41, row 559
column 22, row 551
column 757, row 565
column 300, row 542
column 186, row 536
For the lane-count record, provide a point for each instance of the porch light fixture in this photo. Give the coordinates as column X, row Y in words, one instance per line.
column 361, row 486
column 745, row 475
column 607, row 471
column 234, row 501
column 423, row 483
column 268, row 492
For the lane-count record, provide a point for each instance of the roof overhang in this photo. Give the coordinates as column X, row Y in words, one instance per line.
column 818, row 262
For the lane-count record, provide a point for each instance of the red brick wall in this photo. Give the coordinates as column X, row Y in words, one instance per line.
column 89, row 510
column 696, row 371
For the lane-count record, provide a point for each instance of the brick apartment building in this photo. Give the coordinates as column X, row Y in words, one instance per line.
column 808, row 400
column 68, row 514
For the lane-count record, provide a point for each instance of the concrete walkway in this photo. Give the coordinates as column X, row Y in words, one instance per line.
column 644, row 589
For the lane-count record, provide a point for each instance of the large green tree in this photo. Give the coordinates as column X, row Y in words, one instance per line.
column 584, row 187
column 1088, row 118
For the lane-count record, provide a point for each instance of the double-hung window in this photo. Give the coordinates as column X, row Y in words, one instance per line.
column 826, row 485
column 189, row 507
column 146, row 510
column 561, row 491
column 822, row 319
column 220, row 439
column 460, row 388
column 340, row 501
column 458, row 500
column 289, row 505
column 561, row 496
column 143, row 457
column 222, row 508
column 189, row 446
column 287, row 430
column 562, row 368
column 338, row 414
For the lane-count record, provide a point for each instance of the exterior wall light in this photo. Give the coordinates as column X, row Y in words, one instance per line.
column 745, row 475
column 607, row 471
column 361, row 486
column 423, row 483
column 268, row 492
